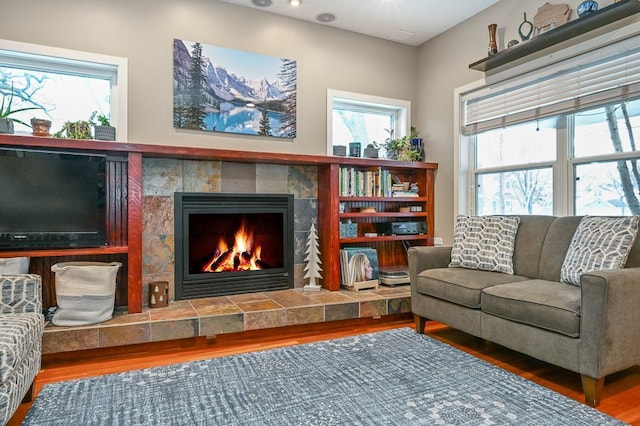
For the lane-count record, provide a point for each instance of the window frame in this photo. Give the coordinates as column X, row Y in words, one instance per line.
column 565, row 163
column 400, row 109
column 47, row 58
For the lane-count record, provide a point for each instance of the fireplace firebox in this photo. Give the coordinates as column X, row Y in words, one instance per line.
column 232, row 243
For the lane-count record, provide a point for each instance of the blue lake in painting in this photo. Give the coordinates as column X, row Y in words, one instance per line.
column 239, row 118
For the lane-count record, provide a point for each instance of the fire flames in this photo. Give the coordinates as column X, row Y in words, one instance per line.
column 241, row 257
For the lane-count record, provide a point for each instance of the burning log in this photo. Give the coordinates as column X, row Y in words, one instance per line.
column 221, row 260
column 262, row 264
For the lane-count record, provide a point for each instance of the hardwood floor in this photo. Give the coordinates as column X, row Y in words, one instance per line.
column 621, row 394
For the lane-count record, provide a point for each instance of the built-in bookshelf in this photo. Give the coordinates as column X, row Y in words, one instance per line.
column 125, row 210
column 376, row 200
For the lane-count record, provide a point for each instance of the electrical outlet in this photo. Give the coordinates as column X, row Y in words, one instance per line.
column 437, row 241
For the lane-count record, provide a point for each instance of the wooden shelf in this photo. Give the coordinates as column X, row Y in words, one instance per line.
column 84, row 251
column 577, row 27
column 179, row 152
column 384, row 199
column 384, row 214
column 384, row 238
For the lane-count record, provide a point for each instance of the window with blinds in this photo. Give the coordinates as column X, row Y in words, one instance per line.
column 563, row 89
column 560, row 140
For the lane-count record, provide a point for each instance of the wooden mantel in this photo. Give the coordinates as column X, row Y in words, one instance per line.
column 165, row 151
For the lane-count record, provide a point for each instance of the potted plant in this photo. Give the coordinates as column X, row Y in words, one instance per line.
column 6, row 121
column 403, row 149
column 104, row 131
column 75, row 130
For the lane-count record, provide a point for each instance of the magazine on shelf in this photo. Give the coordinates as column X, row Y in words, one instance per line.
column 359, row 267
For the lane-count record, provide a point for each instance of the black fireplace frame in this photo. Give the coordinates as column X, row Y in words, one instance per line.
column 193, row 286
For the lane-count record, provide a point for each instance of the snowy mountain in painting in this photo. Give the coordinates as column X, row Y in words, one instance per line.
column 223, row 84
column 230, row 86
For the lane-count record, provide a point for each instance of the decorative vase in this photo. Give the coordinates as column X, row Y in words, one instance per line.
column 354, row 149
column 493, row 45
column 418, row 145
column 586, row 8
column 525, row 29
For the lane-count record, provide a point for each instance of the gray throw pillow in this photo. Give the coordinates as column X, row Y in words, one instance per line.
column 599, row 243
column 484, row 242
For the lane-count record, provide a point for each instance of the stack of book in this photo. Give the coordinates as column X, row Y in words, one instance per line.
column 398, row 190
column 394, row 275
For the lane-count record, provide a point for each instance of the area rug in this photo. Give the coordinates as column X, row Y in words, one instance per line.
column 395, row 377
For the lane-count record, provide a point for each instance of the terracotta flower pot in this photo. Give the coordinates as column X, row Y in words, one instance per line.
column 40, row 127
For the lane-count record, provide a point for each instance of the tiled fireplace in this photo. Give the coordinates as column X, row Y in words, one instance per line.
column 232, row 243
column 162, row 178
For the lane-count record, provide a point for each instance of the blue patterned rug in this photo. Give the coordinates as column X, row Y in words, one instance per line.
column 395, row 377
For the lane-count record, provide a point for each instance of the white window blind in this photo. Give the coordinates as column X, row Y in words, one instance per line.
column 567, row 87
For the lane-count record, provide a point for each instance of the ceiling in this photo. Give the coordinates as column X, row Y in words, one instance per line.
column 409, row 22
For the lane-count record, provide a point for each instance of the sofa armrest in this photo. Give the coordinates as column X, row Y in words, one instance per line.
column 609, row 321
column 20, row 294
column 426, row 257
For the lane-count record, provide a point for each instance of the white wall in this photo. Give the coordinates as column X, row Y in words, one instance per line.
column 143, row 31
column 443, row 65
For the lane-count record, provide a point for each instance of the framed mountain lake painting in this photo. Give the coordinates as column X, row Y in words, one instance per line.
column 216, row 89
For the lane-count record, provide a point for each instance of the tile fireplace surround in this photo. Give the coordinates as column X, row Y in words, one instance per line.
column 163, row 177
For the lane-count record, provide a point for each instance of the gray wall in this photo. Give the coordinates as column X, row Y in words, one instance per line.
column 143, row 31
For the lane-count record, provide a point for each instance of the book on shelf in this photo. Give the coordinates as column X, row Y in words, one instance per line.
column 364, row 183
column 359, row 267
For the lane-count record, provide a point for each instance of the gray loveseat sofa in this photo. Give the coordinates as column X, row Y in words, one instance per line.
column 21, row 328
column 592, row 329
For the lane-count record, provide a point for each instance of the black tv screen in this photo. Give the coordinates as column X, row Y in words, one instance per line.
column 51, row 199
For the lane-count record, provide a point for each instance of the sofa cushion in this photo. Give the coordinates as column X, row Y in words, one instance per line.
column 484, row 242
column 459, row 285
column 19, row 334
column 599, row 243
column 545, row 304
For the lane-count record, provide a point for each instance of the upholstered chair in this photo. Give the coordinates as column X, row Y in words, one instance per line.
column 21, row 328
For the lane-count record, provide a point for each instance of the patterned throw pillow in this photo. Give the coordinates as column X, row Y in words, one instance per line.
column 599, row 243
column 484, row 242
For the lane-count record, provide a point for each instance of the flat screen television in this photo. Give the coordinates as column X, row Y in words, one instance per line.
column 51, row 199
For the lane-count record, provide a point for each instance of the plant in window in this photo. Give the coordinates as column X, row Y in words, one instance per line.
column 6, row 119
column 402, row 149
column 75, row 130
column 104, row 131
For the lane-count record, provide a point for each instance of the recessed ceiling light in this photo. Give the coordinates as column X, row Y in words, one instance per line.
column 261, row 3
column 295, row 2
column 325, row 17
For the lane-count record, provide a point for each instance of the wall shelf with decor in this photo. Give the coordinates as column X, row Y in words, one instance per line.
column 577, row 27
column 371, row 207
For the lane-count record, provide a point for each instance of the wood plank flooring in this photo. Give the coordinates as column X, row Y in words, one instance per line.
column 621, row 394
